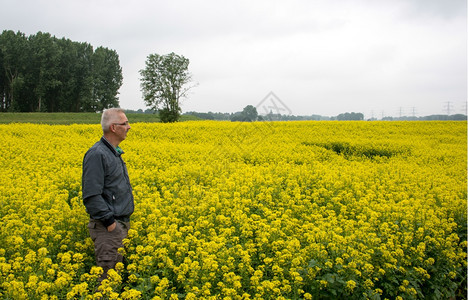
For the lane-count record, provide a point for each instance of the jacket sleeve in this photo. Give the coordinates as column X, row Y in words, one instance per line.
column 93, row 187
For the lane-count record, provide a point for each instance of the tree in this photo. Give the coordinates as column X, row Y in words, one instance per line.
column 75, row 65
column 107, row 78
column 14, row 51
column 82, row 79
column 44, row 70
column 350, row 117
column 163, row 84
column 248, row 114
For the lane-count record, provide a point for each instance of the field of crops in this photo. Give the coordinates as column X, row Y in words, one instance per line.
column 283, row 210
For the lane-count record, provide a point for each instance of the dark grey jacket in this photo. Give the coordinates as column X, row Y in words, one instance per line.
column 107, row 193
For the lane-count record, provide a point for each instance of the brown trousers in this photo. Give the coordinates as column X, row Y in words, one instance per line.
column 107, row 243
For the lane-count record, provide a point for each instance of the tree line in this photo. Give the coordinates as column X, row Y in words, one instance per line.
column 250, row 114
column 245, row 116
column 47, row 74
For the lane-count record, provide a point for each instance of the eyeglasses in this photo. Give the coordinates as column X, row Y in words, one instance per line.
column 123, row 124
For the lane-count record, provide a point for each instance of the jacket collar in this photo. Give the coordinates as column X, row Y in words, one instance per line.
column 109, row 145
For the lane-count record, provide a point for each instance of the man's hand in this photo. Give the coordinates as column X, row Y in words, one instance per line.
column 111, row 227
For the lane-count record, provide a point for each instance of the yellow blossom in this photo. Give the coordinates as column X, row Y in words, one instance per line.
column 261, row 210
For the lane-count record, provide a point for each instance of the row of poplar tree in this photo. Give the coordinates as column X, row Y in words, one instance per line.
column 44, row 73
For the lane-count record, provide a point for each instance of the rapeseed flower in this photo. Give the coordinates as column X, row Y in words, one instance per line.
column 304, row 210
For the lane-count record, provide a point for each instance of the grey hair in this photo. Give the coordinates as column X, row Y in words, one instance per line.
column 109, row 116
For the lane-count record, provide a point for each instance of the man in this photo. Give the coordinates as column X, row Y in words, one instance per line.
column 107, row 193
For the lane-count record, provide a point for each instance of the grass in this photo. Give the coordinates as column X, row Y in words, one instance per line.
column 76, row 118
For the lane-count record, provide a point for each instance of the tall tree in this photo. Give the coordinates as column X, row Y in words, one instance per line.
column 82, row 78
column 14, row 49
column 3, row 87
column 163, row 84
column 44, row 69
column 107, row 78
column 76, row 72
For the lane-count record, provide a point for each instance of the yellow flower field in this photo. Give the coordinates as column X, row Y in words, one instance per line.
column 282, row 210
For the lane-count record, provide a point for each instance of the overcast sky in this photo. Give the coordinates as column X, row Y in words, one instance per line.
column 326, row 57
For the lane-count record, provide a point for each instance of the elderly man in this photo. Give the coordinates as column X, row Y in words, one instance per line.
column 107, row 193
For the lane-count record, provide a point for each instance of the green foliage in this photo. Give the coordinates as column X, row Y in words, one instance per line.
column 351, row 150
column 169, row 116
column 42, row 73
column 107, row 78
column 350, row 117
column 163, row 84
column 248, row 114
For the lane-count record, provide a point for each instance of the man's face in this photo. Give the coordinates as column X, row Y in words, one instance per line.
column 121, row 126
